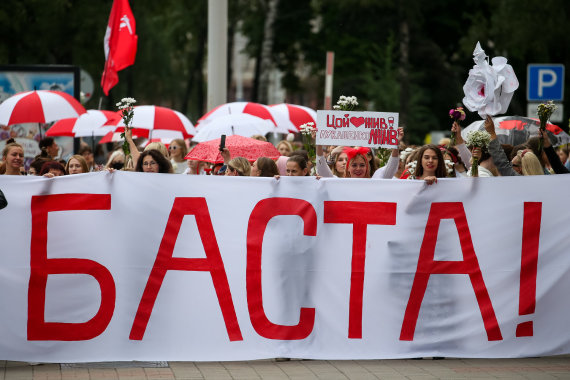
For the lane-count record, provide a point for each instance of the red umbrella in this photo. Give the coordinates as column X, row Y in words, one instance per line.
column 292, row 116
column 155, row 118
column 39, row 107
column 239, row 146
column 255, row 109
column 88, row 124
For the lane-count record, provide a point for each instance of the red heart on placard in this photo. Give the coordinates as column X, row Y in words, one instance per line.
column 357, row 121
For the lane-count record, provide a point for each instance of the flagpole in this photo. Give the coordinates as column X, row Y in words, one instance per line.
column 217, row 52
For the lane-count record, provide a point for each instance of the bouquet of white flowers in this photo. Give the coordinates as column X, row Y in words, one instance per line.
column 307, row 131
column 127, row 113
column 345, row 103
column 477, row 139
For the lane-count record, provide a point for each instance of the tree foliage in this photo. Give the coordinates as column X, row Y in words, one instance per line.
column 420, row 73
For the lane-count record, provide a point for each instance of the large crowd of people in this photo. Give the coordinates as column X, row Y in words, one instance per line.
column 427, row 162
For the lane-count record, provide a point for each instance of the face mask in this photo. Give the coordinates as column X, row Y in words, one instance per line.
column 117, row 165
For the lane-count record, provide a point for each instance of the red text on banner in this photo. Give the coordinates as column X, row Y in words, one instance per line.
column 262, row 213
column 360, row 215
column 42, row 267
column 428, row 266
column 164, row 262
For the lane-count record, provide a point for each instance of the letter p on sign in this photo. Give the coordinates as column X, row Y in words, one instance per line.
column 545, row 82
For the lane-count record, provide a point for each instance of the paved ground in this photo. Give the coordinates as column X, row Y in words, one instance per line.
column 533, row 368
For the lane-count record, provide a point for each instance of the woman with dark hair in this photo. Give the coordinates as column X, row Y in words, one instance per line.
column 297, row 166
column 430, row 164
column 49, row 146
column 52, row 169
column 152, row 161
column 264, row 167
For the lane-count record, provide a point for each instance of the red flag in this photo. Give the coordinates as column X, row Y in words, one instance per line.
column 120, row 43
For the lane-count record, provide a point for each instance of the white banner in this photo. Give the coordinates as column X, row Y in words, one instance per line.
column 352, row 128
column 136, row 266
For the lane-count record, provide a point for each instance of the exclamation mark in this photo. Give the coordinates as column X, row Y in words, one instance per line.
column 529, row 263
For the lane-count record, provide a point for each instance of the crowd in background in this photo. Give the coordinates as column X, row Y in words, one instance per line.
column 428, row 162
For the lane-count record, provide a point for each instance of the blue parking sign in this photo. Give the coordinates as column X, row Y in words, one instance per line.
column 545, row 82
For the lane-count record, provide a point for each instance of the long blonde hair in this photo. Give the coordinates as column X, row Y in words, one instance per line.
column 530, row 164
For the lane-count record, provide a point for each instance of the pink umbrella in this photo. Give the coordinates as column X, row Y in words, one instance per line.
column 156, row 118
column 39, row 107
column 292, row 116
column 254, row 109
column 88, row 124
column 239, row 146
column 235, row 124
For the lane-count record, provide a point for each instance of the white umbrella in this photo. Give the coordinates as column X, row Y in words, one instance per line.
column 235, row 124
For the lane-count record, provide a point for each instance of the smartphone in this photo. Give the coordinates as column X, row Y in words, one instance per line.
column 222, row 143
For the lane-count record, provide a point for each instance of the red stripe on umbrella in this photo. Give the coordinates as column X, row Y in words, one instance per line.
column 62, row 127
column 160, row 118
column 29, row 107
column 88, row 124
column 115, row 136
column 39, row 107
column 292, row 116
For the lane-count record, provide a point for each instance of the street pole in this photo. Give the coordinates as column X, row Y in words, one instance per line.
column 329, row 80
column 217, row 52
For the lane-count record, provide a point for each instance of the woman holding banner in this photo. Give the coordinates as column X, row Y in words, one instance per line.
column 360, row 169
column 430, row 164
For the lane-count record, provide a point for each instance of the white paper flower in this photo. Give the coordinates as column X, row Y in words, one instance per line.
column 489, row 88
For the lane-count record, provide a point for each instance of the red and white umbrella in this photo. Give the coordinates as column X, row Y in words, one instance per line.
column 516, row 130
column 39, row 107
column 292, row 116
column 239, row 146
column 236, row 124
column 249, row 108
column 115, row 134
column 91, row 123
column 158, row 118
column 165, row 140
column 160, row 134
